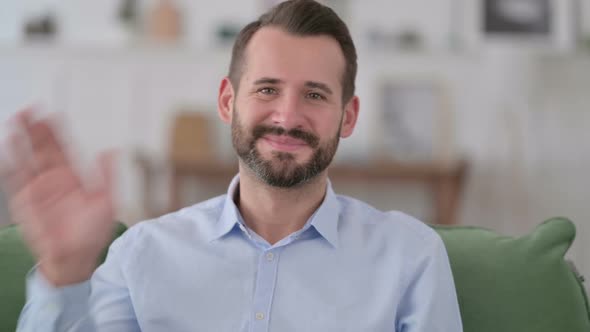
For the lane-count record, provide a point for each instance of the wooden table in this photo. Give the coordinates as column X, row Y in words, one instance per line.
column 445, row 181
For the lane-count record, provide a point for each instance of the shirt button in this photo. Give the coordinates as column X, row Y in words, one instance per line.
column 269, row 256
column 259, row 316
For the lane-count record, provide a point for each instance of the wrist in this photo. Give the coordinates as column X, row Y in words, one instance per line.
column 63, row 275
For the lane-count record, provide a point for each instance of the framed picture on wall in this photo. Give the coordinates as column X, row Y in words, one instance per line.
column 415, row 122
column 518, row 17
column 545, row 25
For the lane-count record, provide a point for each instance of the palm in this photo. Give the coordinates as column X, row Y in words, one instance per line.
column 65, row 223
column 79, row 218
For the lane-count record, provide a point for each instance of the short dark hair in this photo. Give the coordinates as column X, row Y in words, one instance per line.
column 304, row 18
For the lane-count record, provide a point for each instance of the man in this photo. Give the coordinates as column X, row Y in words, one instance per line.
column 280, row 252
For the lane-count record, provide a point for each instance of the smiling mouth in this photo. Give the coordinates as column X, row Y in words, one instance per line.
column 284, row 143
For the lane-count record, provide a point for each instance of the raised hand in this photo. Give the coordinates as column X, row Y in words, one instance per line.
column 65, row 222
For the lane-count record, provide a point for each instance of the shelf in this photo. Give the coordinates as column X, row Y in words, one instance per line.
column 109, row 52
column 446, row 181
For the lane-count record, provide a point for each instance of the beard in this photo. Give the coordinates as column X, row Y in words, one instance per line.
column 282, row 170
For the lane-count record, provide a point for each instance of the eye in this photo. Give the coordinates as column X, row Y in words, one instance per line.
column 315, row 96
column 267, row 91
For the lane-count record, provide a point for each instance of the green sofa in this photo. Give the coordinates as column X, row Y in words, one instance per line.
column 503, row 284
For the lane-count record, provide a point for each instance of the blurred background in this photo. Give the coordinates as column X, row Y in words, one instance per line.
column 473, row 112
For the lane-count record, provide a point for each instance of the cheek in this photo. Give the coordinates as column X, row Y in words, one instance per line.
column 328, row 125
column 253, row 112
column 241, row 118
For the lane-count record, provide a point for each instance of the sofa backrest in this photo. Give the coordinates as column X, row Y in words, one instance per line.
column 517, row 284
column 503, row 283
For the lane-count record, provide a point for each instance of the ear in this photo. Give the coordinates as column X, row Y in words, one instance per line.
column 225, row 100
column 351, row 113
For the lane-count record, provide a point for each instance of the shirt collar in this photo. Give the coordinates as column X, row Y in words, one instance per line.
column 324, row 220
column 229, row 215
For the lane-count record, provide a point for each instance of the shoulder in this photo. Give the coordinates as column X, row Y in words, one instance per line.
column 386, row 225
column 190, row 223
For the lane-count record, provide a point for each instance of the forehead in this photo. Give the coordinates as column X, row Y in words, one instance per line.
column 273, row 52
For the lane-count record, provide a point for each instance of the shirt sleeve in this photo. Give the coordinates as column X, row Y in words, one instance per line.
column 430, row 300
column 100, row 304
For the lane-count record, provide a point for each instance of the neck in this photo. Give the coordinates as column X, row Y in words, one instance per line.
column 274, row 213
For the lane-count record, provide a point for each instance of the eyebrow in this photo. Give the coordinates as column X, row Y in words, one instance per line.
column 318, row 85
column 310, row 84
column 268, row 80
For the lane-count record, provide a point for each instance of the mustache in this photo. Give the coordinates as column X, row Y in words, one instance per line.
column 309, row 138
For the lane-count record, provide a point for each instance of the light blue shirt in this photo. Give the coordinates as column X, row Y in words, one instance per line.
column 350, row 268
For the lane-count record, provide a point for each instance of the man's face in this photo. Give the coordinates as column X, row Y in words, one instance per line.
column 287, row 114
column 282, row 169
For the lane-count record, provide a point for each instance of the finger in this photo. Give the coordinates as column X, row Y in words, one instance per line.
column 47, row 149
column 25, row 115
column 19, row 169
column 17, row 166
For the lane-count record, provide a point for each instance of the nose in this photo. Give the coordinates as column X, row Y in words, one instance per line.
column 288, row 112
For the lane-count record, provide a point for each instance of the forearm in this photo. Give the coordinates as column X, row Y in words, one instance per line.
column 55, row 309
column 100, row 304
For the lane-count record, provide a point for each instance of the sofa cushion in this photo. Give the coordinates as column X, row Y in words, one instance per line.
column 15, row 262
column 517, row 284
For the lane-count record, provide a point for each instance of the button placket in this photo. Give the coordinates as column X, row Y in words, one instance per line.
column 263, row 294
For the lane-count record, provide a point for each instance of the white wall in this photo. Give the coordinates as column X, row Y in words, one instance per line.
column 521, row 118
